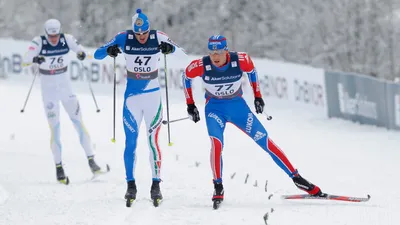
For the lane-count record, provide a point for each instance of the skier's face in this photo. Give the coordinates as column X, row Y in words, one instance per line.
column 142, row 37
column 53, row 39
column 218, row 58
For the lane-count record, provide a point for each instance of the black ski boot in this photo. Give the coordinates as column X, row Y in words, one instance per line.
column 93, row 165
column 306, row 186
column 155, row 193
column 61, row 175
column 130, row 195
column 218, row 195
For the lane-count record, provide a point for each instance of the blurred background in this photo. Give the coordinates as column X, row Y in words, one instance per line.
column 359, row 36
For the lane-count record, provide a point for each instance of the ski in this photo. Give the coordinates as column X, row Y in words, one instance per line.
column 217, row 203
column 328, row 197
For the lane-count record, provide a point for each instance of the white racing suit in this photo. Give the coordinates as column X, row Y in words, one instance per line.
column 56, row 88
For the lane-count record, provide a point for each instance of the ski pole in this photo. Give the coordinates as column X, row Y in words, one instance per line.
column 91, row 89
column 29, row 92
column 268, row 116
column 166, row 93
column 115, row 84
column 176, row 120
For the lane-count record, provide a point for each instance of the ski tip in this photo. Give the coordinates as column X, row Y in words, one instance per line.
column 108, row 168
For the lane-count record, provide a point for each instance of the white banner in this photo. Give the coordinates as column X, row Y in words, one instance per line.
column 282, row 84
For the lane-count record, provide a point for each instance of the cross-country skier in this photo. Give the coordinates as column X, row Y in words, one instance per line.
column 50, row 52
column 141, row 48
column 221, row 72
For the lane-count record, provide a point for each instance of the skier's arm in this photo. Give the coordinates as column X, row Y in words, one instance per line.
column 246, row 65
column 119, row 40
column 178, row 51
column 33, row 50
column 193, row 70
column 73, row 43
column 75, row 46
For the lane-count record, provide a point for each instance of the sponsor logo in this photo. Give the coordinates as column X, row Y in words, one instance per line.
column 234, row 64
column 226, row 78
column 55, row 51
column 78, row 109
column 130, row 36
column 139, row 22
column 130, row 128
column 192, row 66
column 219, row 121
column 308, row 93
column 275, row 87
column 51, row 115
column 357, row 105
column 50, row 105
column 208, row 67
column 144, row 49
column 249, row 123
column 152, row 36
column 259, row 135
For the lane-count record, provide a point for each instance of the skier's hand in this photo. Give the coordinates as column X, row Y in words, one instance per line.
column 113, row 51
column 193, row 112
column 81, row 55
column 38, row 59
column 166, row 48
column 259, row 104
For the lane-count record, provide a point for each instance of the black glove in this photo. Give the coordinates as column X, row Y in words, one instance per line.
column 39, row 59
column 259, row 104
column 113, row 51
column 81, row 55
column 166, row 48
column 193, row 112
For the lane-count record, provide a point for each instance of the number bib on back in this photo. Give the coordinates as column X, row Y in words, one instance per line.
column 56, row 60
column 222, row 84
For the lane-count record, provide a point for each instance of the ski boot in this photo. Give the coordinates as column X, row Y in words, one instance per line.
column 61, row 175
column 96, row 170
column 306, row 186
column 130, row 195
column 218, row 195
column 155, row 193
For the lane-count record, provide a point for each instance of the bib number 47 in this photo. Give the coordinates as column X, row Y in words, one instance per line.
column 142, row 60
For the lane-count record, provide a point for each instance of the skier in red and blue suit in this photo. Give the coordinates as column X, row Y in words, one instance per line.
column 221, row 72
